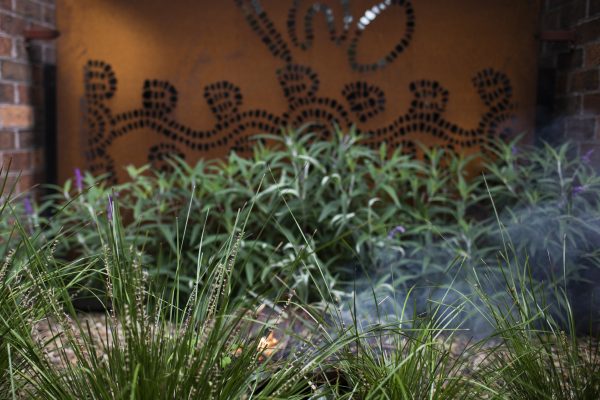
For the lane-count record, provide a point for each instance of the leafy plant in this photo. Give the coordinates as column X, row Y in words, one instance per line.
column 367, row 210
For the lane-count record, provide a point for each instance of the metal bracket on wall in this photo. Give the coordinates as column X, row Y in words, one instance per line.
column 559, row 36
column 41, row 34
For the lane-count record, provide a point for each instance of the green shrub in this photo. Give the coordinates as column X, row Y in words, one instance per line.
column 353, row 208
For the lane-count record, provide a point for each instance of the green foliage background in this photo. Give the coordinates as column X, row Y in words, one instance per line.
column 342, row 202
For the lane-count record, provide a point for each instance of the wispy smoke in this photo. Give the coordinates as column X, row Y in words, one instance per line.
column 443, row 276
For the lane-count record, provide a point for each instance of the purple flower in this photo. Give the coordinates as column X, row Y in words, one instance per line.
column 78, row 179
column 514, row 150
column 109, row 208
column 578, row 189
column 587, row 157
column 28, row 206
column 397, row 230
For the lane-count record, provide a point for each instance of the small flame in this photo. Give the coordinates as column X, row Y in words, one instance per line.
column 267, row 345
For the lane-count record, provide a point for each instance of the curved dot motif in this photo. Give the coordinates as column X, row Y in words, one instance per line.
column 100, row 80
column 429, row 96
column 365, row 22
column 223, row 98
column 159, row 96
column 298, row 82
column 494, row 88
column 309, row 17
column 365, row 100
column 260, row 23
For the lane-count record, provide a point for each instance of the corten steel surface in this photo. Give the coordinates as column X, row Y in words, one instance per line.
column 142, row 79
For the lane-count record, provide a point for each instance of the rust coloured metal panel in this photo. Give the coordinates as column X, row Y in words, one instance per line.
column 139, row 80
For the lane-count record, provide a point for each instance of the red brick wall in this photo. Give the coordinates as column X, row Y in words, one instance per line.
column 22, row 108
column 575, row 113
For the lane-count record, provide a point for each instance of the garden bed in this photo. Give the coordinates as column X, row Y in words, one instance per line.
column 240, row 281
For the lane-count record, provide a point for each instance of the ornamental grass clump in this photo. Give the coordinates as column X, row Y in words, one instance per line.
column 537, row 355
column 210, row 347
column 16, row 306
column 22, row 282
column 409, row 357
column 541, row 353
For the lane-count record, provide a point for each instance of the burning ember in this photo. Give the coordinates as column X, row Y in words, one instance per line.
column 267, row 346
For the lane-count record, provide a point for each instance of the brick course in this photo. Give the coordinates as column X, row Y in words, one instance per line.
column 13, row 116
column 592, row 54
column 7, row 140
column 591, row 103
column 581, row 128
column 12, row 71
column 5, row 46
column 21, row 95
column 584, row 81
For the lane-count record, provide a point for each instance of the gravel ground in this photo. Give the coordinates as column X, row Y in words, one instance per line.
column 50, row 333
column 278, row 344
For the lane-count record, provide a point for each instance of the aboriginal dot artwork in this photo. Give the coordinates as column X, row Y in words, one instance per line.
column 359, row 103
